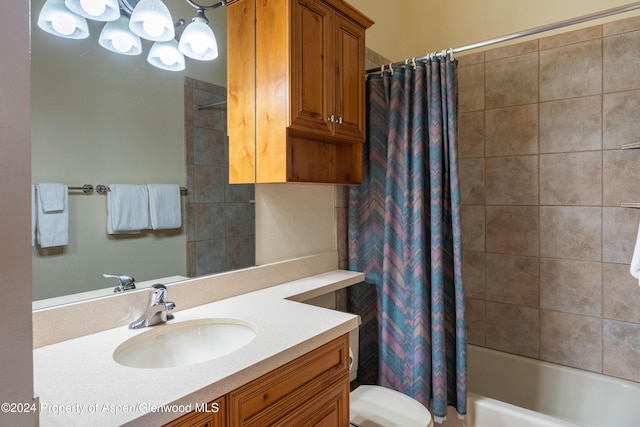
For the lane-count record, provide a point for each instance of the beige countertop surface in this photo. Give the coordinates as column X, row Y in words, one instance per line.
column 79, row 383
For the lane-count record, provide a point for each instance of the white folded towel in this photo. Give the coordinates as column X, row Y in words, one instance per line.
column 51, row 197
column 127, row 208
column 52, row 215
column 634, row 269
column 33, row 215
column 165, row 207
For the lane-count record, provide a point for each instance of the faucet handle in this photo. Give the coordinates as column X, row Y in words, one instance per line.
column 158, row 293
column 125, row 282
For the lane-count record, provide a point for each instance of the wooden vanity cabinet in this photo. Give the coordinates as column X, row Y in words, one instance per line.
column 309, row 111
column 312, row 390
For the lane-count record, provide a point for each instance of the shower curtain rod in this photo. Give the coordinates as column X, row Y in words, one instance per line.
column 532, row 31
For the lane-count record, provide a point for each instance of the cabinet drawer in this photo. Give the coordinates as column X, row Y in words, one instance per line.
column 283, row 390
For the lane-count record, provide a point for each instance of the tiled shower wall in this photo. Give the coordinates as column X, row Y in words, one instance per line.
column 546, row 244
column 220, row 218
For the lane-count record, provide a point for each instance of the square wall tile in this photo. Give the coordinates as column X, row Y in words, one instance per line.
column 571, row 125
column 473, row 223
column 571, row 340
column 571, row 286
column 475, row 312
column 209, row 221
column 621, row 176
column 513, row 328
column 513, row 279
column 620, row 118
column 511, row 81
column 512, row 180
column 209, row 147
column 621, row 356
column 471, row 88
column 466, row 59
column 511, row 131
column 471, row 134
column 571, row 233
column 571, row 178
column 621, row 26
column 621, row 62
column 209, row 183
column 210, row 257
column 571, row 37
column 620, row 229
column 473, row 271
column 471, row 176
column 512, row 230
column 511, row 50
column 571, row 71
column 621, row 294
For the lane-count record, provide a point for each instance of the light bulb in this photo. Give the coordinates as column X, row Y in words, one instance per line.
column 198, row 44
column 169, row 57
column 122, row 44
column 93, row 7
column 63, row 24
column 154, row 29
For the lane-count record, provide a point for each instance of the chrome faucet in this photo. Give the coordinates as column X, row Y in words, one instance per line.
column 158, row 310
column 125, row 283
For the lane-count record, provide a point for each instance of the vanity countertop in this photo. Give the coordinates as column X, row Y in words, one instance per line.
column 79, row 383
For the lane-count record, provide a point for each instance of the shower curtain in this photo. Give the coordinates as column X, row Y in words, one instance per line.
column 404, row 234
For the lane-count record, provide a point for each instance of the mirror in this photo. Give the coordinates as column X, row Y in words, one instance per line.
column 102, row 118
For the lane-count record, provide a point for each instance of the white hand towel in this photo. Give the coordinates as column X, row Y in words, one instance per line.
column 635, row 260
column 52, row 215
column 165, row 207
column 33, row 215
column 127, row 208
column 52, row 197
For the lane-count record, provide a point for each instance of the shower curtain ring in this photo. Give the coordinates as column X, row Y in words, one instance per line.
column 413, row 62
column 382, row 71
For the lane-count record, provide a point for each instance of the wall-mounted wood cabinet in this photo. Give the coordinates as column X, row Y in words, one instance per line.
column 312, row 390
column 308, row 91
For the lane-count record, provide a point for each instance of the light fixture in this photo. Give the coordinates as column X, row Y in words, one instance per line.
column 165, row 55
column 129, row 20
column 152, row 20
column 117, row 37
column 55, row 18
column 98, row 10
column 198, row 40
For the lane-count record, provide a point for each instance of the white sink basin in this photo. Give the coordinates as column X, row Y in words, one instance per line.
column 184, row 343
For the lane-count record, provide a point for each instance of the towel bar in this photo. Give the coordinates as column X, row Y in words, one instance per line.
column 86, row 189
column 629, row 205
column 103, row 189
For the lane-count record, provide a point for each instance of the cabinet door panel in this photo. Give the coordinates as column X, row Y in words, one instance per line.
column 311, row 88
column 349, row 90
column 330, row 408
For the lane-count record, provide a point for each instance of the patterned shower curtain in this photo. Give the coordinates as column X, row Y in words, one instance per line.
column 404, row 234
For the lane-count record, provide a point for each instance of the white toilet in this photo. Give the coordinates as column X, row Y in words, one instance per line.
column 376, row 406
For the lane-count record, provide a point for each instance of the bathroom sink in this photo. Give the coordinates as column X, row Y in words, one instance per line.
column 185, row 343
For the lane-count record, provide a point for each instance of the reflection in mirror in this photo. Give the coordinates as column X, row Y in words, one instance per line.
column 101, row 118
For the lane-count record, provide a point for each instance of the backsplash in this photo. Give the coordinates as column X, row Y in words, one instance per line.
column 220, row 218
column 546, row 244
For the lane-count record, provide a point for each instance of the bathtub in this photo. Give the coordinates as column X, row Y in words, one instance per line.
column 512, row 391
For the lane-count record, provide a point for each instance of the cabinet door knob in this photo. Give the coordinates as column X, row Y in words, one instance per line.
column 340, row 120
column 332, row 118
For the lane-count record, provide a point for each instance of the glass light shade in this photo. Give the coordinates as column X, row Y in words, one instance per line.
column 98, row 10
column 117, row 37
column 165, row 55
column 152, row 20
column 55, row 18
column 198, row 41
